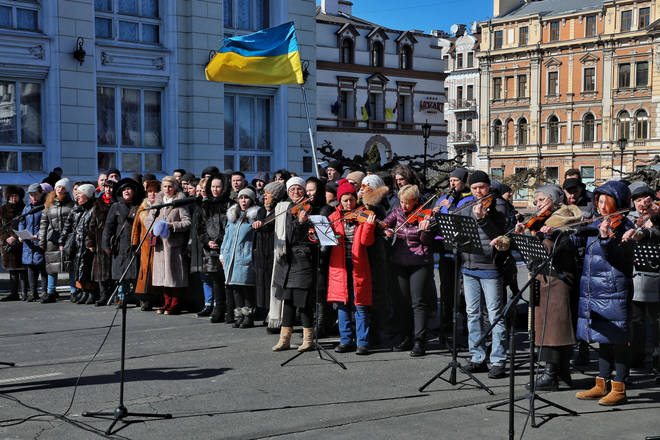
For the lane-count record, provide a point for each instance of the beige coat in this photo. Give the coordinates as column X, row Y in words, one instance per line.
column 170, row 262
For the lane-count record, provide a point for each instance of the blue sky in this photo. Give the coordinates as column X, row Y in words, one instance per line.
column 422, row 14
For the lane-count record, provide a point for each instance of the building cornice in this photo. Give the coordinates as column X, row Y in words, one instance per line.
column 387, row 71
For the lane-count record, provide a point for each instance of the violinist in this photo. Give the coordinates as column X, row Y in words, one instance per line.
column 606, row 293
column 554, row 328
column 413, row 264
column 349, row 276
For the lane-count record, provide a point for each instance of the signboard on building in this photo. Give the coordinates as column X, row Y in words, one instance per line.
column 431, row 104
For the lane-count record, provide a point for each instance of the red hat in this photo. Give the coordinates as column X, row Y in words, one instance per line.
column 345, row 188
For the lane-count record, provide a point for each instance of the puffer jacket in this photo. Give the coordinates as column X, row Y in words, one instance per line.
column 236, row 249
column 489, row 227
column 50, row 229
column 32, row 253
column 412, row 246
column 75, row 231
column 606, row 282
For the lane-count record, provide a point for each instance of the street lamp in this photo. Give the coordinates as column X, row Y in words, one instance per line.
column 426, row 132
column 622, row 146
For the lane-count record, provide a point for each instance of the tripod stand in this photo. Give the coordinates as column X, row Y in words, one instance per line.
column 462, row 233
column 121, row 412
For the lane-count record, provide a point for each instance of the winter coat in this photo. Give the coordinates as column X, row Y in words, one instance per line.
column 102, row 265
column 11, row 255
column 171, row 266
column 412, row 246
column 32, row 253
column 75, row 232
column 212, row 223
column 646, row 285
column 363, row 236
column 140, row 227
column 606, row 282
column 119, row 222
column 236, row 249
column 50, row 229
column 489, row 227
column 262, row 259
column 195, row 244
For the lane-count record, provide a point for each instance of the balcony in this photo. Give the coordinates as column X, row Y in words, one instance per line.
column 462, row 138
column 462, row 105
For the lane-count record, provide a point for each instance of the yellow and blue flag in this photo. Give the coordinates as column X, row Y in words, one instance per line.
column 269, row 56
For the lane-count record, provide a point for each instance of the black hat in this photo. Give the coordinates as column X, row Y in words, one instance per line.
column 479, row 177
column 640, row 189
column 114, row 171
column 505, row 188
column 210, row 170
column 373, row 168
column 127, row 182
column 460, row 173
column 187, row 177
column 331, row 187
column 572, row 182
column 335, row 165
column 149, row 176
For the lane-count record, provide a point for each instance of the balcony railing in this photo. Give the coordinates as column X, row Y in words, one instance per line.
column 462, row 104
column 467, row 137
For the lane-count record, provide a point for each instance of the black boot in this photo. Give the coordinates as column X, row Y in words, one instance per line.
column 404, row 345
column 419, row 349
column 229, row 318
column 92, row 297
column 548, row 380
column 248, row 318
column 103, row 300
column 581, row 356
column 83, row 298
column 565, row 370
column 206, row 311
column 11, row 297
column 34, row 297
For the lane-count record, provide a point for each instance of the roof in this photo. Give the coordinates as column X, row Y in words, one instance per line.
column 552, row 8
column 344, row 18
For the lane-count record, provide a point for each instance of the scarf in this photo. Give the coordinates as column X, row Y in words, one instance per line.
column 107, row 198
column 279, row 239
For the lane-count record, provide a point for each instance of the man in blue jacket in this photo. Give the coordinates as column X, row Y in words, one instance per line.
column 33, row 255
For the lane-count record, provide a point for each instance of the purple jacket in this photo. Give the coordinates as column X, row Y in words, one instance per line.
column 412, row 246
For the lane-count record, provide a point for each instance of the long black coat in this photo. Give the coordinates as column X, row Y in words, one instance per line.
column 102, row 266
column 50, row 229
column 262, row 258
column 195, row 244
column 11, row 255
column 212, row 222
column 119, row 222
column 77, row 225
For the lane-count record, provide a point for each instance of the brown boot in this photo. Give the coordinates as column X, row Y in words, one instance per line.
column 308, row 339
column 616, row 396
column 285, row 339
column 599, row 390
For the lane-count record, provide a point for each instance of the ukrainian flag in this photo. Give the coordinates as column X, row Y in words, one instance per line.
column 269, row 56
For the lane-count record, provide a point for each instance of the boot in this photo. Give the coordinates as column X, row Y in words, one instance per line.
column 229, row 318
column 615, row 397
column 238, row 318
column 33, row 298
column 92, row 298
column 404, row 345
column 206, row 311
column 174, row 308
column 83, row 298
column 285, row 339
column 581, row 356
column 11, row 297
column 418, row 349
column 168, row 300
column 248, row 317
column 565, row 371
column 217, row 315
column 47, row 298
column 599, row 390
column 548, row 380
column 308, row 339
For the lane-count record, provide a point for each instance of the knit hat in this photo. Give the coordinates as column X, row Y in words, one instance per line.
column 295, row 180
column 554, row 192
column 373, row 181
column 87, row 189
column 65, row 183
column 247, row 192
column 572, row 182
column 213, row 171
column 345, row 187
column 640, row 189
column 114, row 171
column 148, row 177
column 46, row 187
column 355, row 176
column 335, row 165
column 331, row 187
column 35, row 188
column 276, row 189
column 479, row 177
column 460, row 173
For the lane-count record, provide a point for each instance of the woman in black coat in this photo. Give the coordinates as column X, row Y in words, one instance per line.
column 127, row 195
column 11, row 248
column 102, row 265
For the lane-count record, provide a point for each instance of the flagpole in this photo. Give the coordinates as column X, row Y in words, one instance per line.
column 309, row 124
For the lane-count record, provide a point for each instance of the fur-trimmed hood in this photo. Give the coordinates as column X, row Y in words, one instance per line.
column 51, row 198
column 13, row 189
column 234, row 213
column 564, row 215
column 373, row 198
column 226, row 188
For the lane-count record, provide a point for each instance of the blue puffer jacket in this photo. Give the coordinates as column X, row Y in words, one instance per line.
column 236, row 249
column 606, row 285
column 32, row 253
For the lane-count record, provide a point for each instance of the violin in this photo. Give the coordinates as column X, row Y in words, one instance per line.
column 535, row 223
column 305, row 205
column 361, row 215
column 616, row 220
column 419, row 215
column 487, row 200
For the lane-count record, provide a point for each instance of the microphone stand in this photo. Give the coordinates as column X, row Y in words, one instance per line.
column 121, row 412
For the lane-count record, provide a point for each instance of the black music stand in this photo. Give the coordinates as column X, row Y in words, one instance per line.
column 462, row 235
column 538, row 261
column 646, row 258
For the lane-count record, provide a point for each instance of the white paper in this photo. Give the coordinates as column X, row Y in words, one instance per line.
column 24, row 234
column 324, row 231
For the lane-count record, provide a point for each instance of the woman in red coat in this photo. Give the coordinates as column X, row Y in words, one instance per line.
column 351, row 293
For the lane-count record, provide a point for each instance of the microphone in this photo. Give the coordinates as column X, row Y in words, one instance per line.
column 583, row 232
column 176, row 203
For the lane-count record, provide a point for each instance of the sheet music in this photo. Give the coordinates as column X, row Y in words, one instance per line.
column 324, row 231
column 24, row 234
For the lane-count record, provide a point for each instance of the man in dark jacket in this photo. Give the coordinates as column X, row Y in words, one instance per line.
column 33, row 255
column 10, row 246
column 576, row 194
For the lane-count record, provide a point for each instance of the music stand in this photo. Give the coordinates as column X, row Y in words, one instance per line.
column 326, row 237
column 462, row 234
column 646, row 258
column 539, row 261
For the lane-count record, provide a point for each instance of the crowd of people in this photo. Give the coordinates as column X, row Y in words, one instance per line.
column 246, row 253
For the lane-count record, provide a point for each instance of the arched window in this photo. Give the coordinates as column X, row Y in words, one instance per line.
column 641, row 125
column 588, row 128
column 406, row 58
column 497, row 133
column 553, row 130
column 522, row 131
column 347, row 51
column 623, row 121
column 377, row 54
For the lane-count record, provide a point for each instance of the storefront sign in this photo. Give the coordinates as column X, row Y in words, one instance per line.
column 431, row 104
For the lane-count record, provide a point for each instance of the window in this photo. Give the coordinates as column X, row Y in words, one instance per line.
column 552, row 175
column 590, row 30
column 497, row 173
column 522, row 194
column 497, row 133
column 22, row 16
column 497, row 88
column 641, row 125
column 589, row 81
column 347, row 51
column 553, row 83
column 523, row 36
column 554, row 31
column 459, row 95
column 522, row 131
column 588, row 177
column 468, row 125
column 588, row 128
column 644, row 17
column 377, row 54
column 247, row 15
column 497, row 42
column 405, row 111
column 624, row 75
column 642, row 74
column 626, row 21
column 248, row 133
column 624, row 125
column 522, row 86
column 377, row 112
column 127, row 20
column 129, row 130
column 553, row 130
column 459, row 61
column 459, row 126
column 20, row 126
column 406, row 58
column 470, row 59
column 308, row 166
column 347, row 108
column 470, row 92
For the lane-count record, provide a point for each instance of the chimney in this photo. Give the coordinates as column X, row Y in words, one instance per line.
column 330, row 7
column 346, row 7
column 501, row 7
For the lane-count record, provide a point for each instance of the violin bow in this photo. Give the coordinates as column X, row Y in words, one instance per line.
column 415, row 213
column 299, row 204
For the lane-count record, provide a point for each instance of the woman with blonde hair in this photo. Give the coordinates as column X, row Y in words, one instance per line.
column 143, row 286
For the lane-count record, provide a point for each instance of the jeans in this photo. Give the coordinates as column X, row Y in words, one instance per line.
column 19, row 281
column 34, row 270
column 361, row 324
column 207, row 286
column 52, row 283
column 492, row 293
